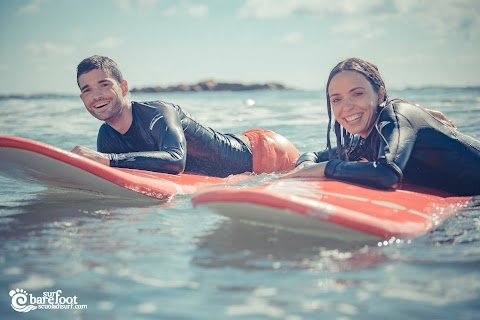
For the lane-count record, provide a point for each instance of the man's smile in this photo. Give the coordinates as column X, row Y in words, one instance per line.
column 101, row 104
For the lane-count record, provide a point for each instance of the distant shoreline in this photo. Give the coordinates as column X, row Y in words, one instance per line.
column 212, row 86
column 207, row 85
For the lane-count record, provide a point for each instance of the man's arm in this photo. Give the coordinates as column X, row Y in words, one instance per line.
column 92, row 154
column 165, row 131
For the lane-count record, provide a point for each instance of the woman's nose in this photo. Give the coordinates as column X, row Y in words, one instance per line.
column 348, row 103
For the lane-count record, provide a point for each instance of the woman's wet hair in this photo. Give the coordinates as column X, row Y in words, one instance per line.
column 367, row 69
column 99, row 62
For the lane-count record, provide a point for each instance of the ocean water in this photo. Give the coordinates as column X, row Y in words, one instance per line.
column 167, row 260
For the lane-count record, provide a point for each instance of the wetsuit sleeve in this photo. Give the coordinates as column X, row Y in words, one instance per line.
column 316, row 157
column 367, row 173
column 397, row 138
column 166, row 130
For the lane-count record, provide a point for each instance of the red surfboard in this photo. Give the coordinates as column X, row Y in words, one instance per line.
column 334, row 209
column 50, row 166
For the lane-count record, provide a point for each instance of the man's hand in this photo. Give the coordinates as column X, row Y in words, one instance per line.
column 91, row 154
column 307, row 169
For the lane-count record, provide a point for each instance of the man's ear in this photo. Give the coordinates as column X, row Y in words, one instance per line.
column 381, row 94
column 124, row 86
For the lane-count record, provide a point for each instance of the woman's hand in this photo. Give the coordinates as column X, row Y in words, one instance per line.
column 91, row 154
column 307, row 169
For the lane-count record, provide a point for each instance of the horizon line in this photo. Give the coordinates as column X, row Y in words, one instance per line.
column 139, row 91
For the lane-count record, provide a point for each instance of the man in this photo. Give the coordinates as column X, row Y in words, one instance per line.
column 160, row 136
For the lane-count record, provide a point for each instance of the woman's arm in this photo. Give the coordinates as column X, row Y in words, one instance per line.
column 373, row 174
column 397, row 137
column 315, row 157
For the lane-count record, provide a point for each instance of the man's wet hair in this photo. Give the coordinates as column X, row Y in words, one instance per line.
column 99, row 62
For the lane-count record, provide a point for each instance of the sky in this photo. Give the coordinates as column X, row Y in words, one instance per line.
column 414, row 43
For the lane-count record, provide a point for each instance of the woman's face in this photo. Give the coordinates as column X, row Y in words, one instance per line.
column 354, row 102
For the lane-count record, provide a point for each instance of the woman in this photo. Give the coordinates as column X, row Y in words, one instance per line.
column 382, row 143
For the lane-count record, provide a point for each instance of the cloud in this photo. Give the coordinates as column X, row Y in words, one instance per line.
column 130, row 6
column 49, row 49
column 450, row 17
column 285, row 8
column 292, row 38
column 123, row 5
column 437, row 17
column 369, row 29
column 32, row 7
column 147, row 6
column 109, row 43
column 198, row 10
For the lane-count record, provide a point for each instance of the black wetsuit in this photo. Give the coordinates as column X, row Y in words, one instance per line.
column 165, row 138
column 409, row 145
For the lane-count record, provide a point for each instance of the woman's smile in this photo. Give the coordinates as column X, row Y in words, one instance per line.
column 353, row 118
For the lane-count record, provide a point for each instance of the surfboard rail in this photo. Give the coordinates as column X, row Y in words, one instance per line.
column 48, row 165
column 317, row 204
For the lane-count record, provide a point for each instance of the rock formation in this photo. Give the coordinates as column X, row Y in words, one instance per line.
column 211, row 85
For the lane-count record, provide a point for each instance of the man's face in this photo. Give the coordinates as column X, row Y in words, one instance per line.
column 102, row 95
